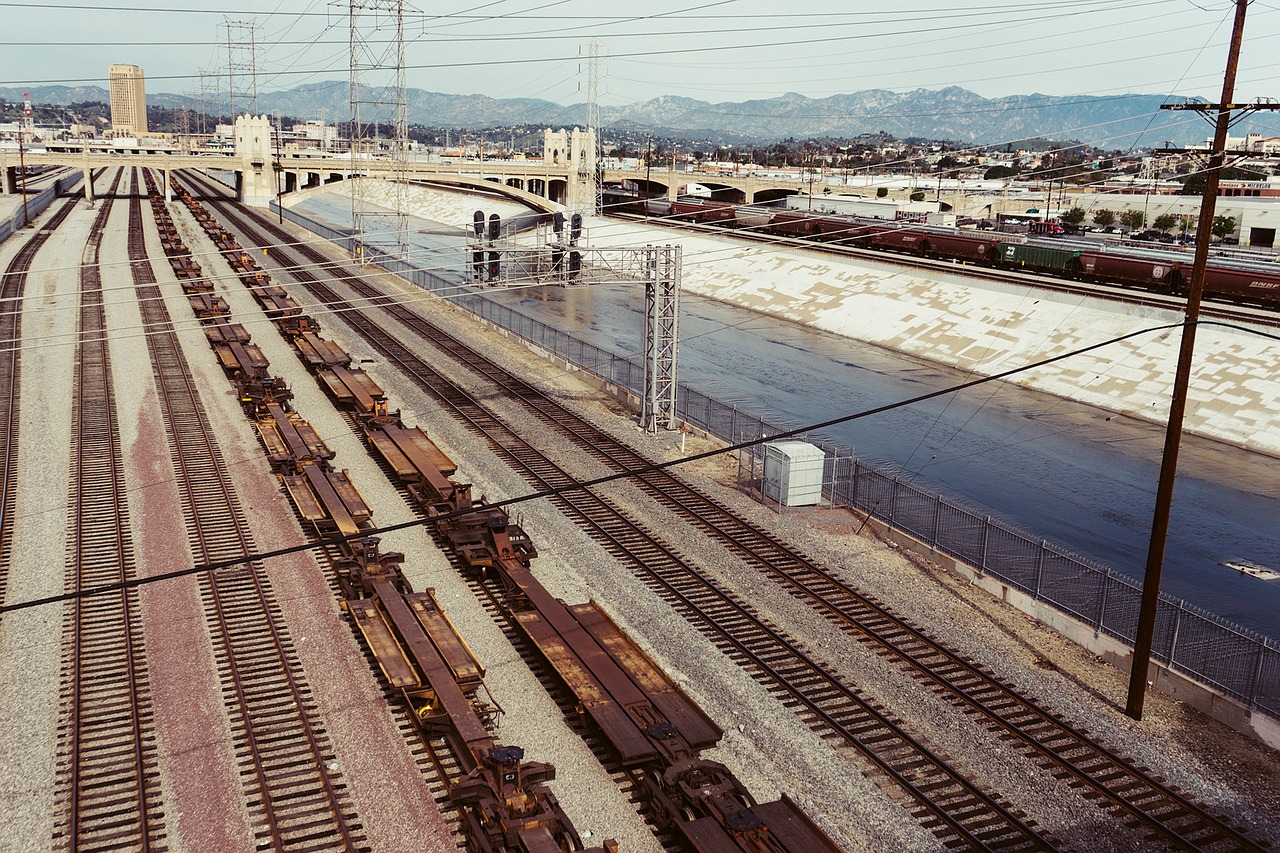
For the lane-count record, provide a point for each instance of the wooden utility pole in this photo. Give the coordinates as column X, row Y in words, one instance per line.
column 1177, row 407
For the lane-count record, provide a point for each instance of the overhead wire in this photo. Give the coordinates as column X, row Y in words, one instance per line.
column 672, row 50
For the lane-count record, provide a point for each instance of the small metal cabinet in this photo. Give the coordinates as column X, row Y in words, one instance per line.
column 793, row 473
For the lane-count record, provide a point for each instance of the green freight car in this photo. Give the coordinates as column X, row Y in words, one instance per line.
column 1041, row 258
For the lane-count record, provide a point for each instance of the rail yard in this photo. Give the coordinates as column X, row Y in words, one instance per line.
column 652, row 663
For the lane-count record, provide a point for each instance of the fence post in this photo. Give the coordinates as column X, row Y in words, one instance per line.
column 1102, row 604
column 986, row 531
column 1252, row 700
column 893, row 501
column 1173, row 643
column 937, row 520
column 733, row 426
column 1044, row 546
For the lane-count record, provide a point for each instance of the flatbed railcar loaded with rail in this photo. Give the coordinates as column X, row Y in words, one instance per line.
column 1168, row 272
column 652, row 727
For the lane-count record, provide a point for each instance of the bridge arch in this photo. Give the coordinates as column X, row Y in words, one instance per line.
column 773, row 194
column 558, row 190
column 724, row 192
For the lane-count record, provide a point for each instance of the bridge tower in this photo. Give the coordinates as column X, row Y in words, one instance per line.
column 256, row 180
column 576, row 150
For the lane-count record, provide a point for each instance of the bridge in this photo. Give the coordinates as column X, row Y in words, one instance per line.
column 561, row 178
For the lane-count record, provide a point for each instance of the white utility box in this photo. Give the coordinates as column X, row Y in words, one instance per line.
column 793, row 473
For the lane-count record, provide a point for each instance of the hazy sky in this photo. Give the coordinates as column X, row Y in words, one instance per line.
column 730, row 50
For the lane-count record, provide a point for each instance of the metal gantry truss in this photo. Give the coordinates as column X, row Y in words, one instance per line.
column 560, row 255
column 661, row 336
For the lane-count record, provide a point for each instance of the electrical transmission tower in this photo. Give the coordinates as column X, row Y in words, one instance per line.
column 242, row 65
column 593, row 124
column 378, row 101
column 210, row 100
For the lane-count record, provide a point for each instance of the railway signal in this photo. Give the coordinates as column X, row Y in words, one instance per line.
column 561, row 255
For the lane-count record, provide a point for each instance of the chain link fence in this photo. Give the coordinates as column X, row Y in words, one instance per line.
column 1236, row 661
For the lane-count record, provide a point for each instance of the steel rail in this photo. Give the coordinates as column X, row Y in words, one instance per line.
column 1057, row 743
column 1115, row 779
column 297, row 800
column 110, row 741
column 12, row 286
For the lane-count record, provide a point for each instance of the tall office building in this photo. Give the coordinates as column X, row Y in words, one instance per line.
column 128, row 101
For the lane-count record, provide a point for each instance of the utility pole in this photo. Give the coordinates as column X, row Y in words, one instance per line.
column 22, row 173
column 648, row 166
column 1177, row 406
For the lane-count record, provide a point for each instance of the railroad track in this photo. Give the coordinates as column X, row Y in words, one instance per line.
column 109, row 786
column 1052, row 742
column 956, row 810
column 438, row 763
column 12, row 285
column 295, row 798
column 1048, row 739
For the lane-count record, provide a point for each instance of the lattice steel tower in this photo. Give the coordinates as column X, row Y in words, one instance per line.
column 378, row 99
column 242, row 66
column 593, row 122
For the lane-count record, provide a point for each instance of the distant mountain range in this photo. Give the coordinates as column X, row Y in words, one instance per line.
column 1110, row 121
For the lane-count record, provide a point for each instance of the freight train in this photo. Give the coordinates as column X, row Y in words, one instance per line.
column 651, row 726
column 1256, row 283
